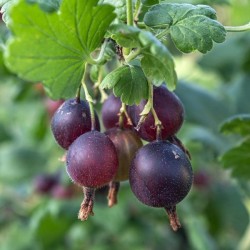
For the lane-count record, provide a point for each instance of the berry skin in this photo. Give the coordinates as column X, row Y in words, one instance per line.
column 126, row 142
column 71, row 120
column 169, row 110
column 92, row 160
column 161, row 176
column 110, row 113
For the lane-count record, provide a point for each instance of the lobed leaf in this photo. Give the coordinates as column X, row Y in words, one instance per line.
column 128, row 82
column 157, row 62
column 53, row 48
column 124, row 35
column 191, row 27
column 120, row 8
column 238, row 124
column 238, row 159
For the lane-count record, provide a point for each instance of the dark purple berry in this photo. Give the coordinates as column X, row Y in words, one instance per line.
column 161, row 176
column 169, row 110
column 92, row 160
column 110, row 113
column 43, row 183
column 71, row 120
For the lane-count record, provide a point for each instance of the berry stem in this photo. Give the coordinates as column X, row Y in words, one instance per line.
column 150, row 107
column 147, row 107
column 158, row 125
column 173, row 217
column 78, row 94
column 88, row 98
column 121, row 115
column 104, row 96
column 87, row 205
column 113, row 191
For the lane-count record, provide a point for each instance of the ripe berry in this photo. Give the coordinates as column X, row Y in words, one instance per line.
column 126, row 142
column 43, row 183
column 71, row 120
column 161, row 176
column 110, row 113
column 169, row 110
column 63, row 192
column 92, row 162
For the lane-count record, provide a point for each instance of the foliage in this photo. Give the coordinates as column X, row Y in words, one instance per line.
column 53, row 48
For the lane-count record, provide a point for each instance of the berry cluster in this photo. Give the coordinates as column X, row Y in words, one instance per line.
column 160, row 173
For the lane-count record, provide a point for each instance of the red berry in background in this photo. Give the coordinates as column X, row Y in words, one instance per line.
column 201, row 179
column 161, row 176
column 52, row 106
column 169, row 110
column 43, row 183
column 61, row 191
column 71, row 120
column 110, row 113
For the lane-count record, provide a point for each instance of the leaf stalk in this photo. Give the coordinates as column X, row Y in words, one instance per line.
column 241, row 28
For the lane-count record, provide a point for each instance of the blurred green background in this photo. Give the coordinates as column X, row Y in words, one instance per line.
column 215, row 214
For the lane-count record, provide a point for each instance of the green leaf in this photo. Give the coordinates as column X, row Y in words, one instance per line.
column 45, row 5
column 120, row 8
column 238, row 159
column 191, row 27
column 53, row 48
column 129, row 83
column 157, row 63
column 238, row 124
column 125, row 36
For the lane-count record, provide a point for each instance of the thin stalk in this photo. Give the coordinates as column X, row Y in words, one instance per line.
column 130, row 21
column 138, row 6
column 100, row 59
column 129, row 5
column 141, row 25
column 132, row 55
column 158, row 124
column 104, row 96
column 78, row 94
column 241, row 28
column 162, row 34
column 122, row 115
column 147, row 107
column 88, row 98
